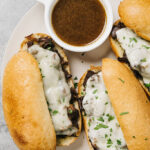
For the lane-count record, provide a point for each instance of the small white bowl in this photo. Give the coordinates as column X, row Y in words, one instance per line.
column 50, row 4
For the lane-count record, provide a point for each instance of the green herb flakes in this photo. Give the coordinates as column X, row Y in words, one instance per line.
column 70, row 111
column 147, row 47
column 106, row 91
column 89, row 123
column 63, row 100
column 101, row 119
column 95, row 91
column 55, row 112
column 146, row 139
column 75, row 78
column 143, row 60
column 121, row 80
column 133, row 137
column 106, row 103
column 109, row 141
column 118, row 142
column 99, row 126
column 147, row 85
column 75, row 85
column 133, row 39
column 106, row 136
column 93, row 86
column 124, row 113
column 110, row 118
column 96, row 97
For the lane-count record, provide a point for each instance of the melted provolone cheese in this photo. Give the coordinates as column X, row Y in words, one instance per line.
column 137, row 51
column 103, row 128
column 57, row 91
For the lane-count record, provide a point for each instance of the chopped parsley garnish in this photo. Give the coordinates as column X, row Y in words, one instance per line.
column 124, row 37
column 147, row 85
column 145, row 46
column 111, row 130
column 89, row 123
column 109, row 141
column 50, row 109
column 118, row 142
column 106, row 136
column 133, row 39
column 134, row 137
column 101, row 119
column 106, row 91
column 99, row 126
column 55, row 112
column 143, row 60
column 95, row 91
column 82, row 93
column 146, row 139
column 63, row 100
column 93, row 118
column 49, row 48
column 108, row 146
column 96, row 97
column 43, row 76
column 117, row 125
column 110, row 118
column 70, row 111
column 121, row 80
column 123, row 113
column 93, row 86
column 75, row 85
column 106, row 103
column 75, row 78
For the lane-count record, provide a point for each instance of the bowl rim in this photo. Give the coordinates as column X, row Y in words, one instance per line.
column 49, row 6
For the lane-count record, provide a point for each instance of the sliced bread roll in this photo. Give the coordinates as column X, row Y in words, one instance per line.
column 120, row 52
column 44, row 41
column 24, row 105
column 129, row 101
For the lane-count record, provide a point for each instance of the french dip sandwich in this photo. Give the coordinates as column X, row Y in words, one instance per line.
column 130, row 38
column 39, row 98
column 115, row 108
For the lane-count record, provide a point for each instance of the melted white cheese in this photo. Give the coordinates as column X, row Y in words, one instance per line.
column 137, row 51
column 103, row 128
column 57, row 91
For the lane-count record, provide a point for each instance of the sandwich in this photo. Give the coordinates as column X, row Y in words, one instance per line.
column 130, row 39
column 39, row 99
column 114, row 107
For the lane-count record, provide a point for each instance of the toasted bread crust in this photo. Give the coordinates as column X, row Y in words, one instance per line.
column 119, row 51
column 135, row 15
column 127, row 95
column 24, row 104
column 65, row 141
column 80, row 89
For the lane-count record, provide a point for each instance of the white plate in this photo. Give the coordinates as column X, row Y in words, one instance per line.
column 33, row 22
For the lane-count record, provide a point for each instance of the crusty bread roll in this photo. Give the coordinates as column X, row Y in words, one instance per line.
column 127, row 96
column 66, row 140
column 135, row 15
column 24, row 99
column 80, row 89
column 25, row 109
column 119, row 52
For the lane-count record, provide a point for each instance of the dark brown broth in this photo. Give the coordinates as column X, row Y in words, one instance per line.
column 78, row 22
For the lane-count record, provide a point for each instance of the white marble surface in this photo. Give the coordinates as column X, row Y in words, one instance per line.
column 11, row 11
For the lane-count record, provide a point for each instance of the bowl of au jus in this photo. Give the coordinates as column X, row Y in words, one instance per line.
column 78, row 25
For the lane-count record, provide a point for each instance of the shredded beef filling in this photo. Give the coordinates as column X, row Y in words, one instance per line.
column 47, row 43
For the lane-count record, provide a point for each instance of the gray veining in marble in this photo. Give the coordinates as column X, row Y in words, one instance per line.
column 11, row 12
